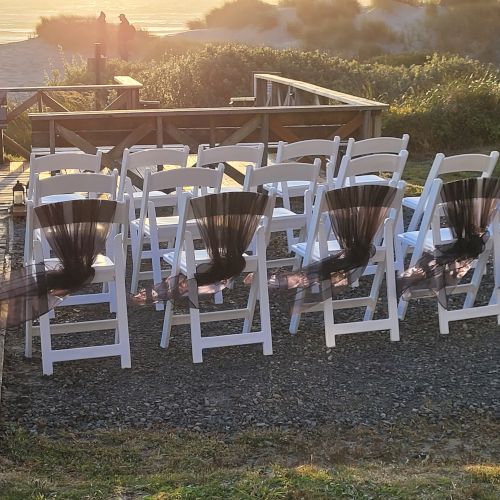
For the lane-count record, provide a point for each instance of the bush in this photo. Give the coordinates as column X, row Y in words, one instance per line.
column 239, row 14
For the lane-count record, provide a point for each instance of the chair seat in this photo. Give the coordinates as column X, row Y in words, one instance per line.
column 164, row 224
column 333, row 246
column 155, row 196
column 295, row 188
column 102, row 263
column 286, row 219
column 411, row 202
column 201, row 257
column 59, row 198
column 411, row 237
column 365, row 179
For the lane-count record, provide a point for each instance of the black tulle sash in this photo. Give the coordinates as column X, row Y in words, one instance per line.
column 76, row 231
column 469, row 206
column 356, row 216
column 227, row 223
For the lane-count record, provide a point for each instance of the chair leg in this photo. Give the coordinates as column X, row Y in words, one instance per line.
column 28, row 339
column 252, row 301
column 329, row 323
column 46, row 345
column 167, row 325
column 263, row 292
column 374, row 292
column 196, row 347
column 121, row 314
column 444, row 327
column 477, row 277
column 296, row 315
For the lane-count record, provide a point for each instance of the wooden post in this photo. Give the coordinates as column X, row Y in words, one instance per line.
column 2, row 151
column 366, row 130
column 264, row 136
column 3, row 124
column 377, row 123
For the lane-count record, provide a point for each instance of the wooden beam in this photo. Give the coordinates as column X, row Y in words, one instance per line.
column 53, row 104
column 21, row 108
column 243, row 131
column 75, row 139
column 281, row 131
column 118, row 102
column 132, row 139
column 348, row 128
column 181, row 137
column 15, row 147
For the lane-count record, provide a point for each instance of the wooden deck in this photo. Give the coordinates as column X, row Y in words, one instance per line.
column 9, row 175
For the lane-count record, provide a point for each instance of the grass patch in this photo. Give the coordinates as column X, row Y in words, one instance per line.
column 412, row 461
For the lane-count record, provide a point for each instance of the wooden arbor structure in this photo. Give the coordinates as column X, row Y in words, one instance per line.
column 284, row 109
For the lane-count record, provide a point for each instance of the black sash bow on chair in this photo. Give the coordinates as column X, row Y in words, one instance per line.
column 469, row 206
column 76, row 231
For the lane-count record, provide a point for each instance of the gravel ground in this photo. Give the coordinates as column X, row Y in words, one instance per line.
column 366, row 379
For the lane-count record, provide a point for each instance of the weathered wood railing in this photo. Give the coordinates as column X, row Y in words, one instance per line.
column 113, row 131
column 275, row 90
column 127, row 97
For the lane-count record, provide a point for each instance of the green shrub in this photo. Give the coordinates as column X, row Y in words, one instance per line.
column 239, row 14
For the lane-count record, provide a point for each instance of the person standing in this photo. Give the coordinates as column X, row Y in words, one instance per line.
column 126, row 33
column 102, row 32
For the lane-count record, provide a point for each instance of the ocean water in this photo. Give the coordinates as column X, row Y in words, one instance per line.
column 18, row 18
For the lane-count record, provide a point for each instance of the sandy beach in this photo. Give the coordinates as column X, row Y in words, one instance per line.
column 28, row 63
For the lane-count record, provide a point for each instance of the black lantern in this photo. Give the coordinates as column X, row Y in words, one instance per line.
column 18, row 194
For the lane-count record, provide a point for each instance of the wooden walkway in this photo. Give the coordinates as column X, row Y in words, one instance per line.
column 9, row 175
column 18, row 170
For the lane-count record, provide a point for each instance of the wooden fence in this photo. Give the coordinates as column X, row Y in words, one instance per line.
column 45, row 98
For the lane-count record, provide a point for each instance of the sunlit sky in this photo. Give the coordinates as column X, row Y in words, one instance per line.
column 19, row 17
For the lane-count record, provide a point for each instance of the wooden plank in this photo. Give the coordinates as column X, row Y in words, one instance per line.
column 282, row 132
column 21, row 108
column 131, row 140
column 52, row 136
column 76, row 140
column 15, row 147
column 347, row 129
column 118, row 102
column 52, row 103
column 315, row 89
column 181, row 137
column 243, row 132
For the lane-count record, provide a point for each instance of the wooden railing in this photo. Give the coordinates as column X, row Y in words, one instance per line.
column 127, row 97
column 113, row 131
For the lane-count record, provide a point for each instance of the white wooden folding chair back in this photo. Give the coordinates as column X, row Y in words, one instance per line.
column 283, row 218
column 88, row 184
column 357, row 170
column 318, row 247
column 376, row 145
column 109, row 270
column 150, row 158
column 184, row 261
column 313, row 148
column 479, row 164
column 249, row 154
column 149, row 228
column 80, row 162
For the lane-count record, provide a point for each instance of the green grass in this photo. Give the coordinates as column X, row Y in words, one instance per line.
column 413, row 461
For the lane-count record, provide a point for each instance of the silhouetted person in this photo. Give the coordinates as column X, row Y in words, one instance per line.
column 102, row 32
column 126, row 33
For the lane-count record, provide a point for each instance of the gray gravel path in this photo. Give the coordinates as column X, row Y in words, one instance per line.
column 366, row 379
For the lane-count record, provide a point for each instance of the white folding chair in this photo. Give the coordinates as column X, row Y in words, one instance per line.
column 185, row 259
column 376, row 145
column 432, row 233
column 249, row 154
column 152, row 229
column 283, row 218
column 298, row 152
column 318, row 247
column 150, row 158
column 109, row 270
column 67, row 187
column 71, row 162
column 480, row 164
column 361, row 170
